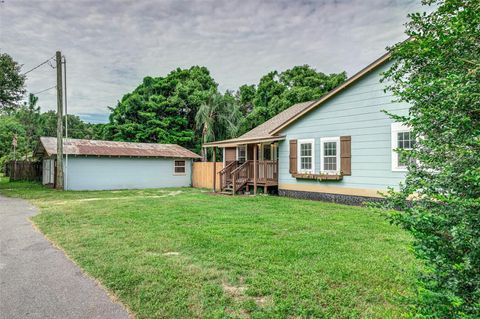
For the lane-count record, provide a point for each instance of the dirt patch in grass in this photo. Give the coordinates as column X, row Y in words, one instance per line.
column 239, row 294
column 91, row 199
column 171, row 253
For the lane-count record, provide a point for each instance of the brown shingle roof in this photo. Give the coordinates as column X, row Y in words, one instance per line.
column 110, row 148
column 262, row 132
column 264, row 129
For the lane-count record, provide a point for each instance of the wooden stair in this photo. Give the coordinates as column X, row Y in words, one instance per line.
column 227, row 190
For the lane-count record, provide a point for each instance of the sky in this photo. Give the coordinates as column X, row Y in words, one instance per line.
column 110, row 46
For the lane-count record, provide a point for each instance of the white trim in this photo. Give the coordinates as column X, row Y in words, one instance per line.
column 323, row 140
column 223, row 156
column 395, row 129
column 184, row 166
column 299, row 159
column 246, row 152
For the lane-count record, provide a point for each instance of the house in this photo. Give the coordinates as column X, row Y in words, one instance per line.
column 339, row 148
column 98, row 165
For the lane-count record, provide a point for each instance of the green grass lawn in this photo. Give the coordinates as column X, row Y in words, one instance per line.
column 185, row 253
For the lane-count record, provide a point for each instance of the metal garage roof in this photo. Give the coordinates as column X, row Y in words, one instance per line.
column 111, row 148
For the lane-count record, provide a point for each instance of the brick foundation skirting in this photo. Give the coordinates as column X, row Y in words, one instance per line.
column 328, row 197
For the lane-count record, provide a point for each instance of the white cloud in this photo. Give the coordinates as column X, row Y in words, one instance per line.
column 111, row 45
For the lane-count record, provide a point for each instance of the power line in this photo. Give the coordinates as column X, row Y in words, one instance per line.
column 44, row 90
column 34, row 68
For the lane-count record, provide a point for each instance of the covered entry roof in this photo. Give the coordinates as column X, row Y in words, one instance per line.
column 111, row 148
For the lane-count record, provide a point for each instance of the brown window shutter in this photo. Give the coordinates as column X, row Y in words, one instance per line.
column 346, row 155
column 293, row 156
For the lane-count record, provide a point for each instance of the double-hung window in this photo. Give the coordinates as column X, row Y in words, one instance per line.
column 306, row 156
column 179, row 167
column 242, row 153
column 330, row 155
column 402, row 138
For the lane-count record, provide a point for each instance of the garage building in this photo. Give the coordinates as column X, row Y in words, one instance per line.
column 101, row 165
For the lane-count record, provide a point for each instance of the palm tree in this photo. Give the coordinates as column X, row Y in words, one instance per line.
column 218, row 118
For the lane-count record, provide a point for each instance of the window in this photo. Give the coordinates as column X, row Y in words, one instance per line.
column 401, row 139
column 179, row 167
column 267, row 152
column 241, row 154
column 306, row 151
column 330, row 154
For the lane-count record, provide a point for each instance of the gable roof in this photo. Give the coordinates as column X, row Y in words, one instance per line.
column 269, row 130
column 369, row 68
column 111, row 148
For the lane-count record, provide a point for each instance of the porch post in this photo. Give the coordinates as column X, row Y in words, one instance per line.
column 214, row 169
column 255, row 169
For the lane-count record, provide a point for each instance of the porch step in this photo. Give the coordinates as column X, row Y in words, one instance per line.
column 226, row 192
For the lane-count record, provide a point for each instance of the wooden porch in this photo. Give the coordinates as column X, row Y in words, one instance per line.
column 247, row 165
column 237, row 176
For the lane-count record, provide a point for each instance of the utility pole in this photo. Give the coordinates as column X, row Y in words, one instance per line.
column 14, row 143
column 66, row 119
column 59, row 177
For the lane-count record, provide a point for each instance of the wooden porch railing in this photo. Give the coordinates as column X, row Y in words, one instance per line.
column 240, row 176
column 226, row 174
column 267, row 171
column 237, row 175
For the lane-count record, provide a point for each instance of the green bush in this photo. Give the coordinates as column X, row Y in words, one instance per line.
column 437, row 71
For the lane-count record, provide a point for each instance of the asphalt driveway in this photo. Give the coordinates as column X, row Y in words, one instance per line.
column 37, row 280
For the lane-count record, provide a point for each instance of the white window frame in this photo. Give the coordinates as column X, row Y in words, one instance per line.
column 299, row 159
column 323, row 140
column 246, row 154
column 397, row 128
column 175, row 166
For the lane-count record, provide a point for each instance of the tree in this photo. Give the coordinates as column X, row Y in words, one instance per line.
column 29, row 117
column 278, row 91
column 163, row 109
column 438, row 73
column 76, row 127
column 10, row 127
column 12, row 83
column 218, row 117
column 245, row 96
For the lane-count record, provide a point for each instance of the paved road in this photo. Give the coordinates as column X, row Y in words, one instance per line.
column 37, row 280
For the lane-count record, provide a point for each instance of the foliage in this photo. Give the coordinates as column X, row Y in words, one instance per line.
column 76, row 127
column 29, row 124
column 28, row 116
column 182, row 253
column 438, row 72
column 278, row 91
column 218, row 118
column 163, row 109
column 9, row 127
column 186, row 108
column 11, row 83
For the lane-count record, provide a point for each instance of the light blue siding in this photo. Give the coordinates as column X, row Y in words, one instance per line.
column 97, row 173
column 355, row 112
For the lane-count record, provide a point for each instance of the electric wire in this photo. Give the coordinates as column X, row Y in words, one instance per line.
column 34, row 68
column 44, row 90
